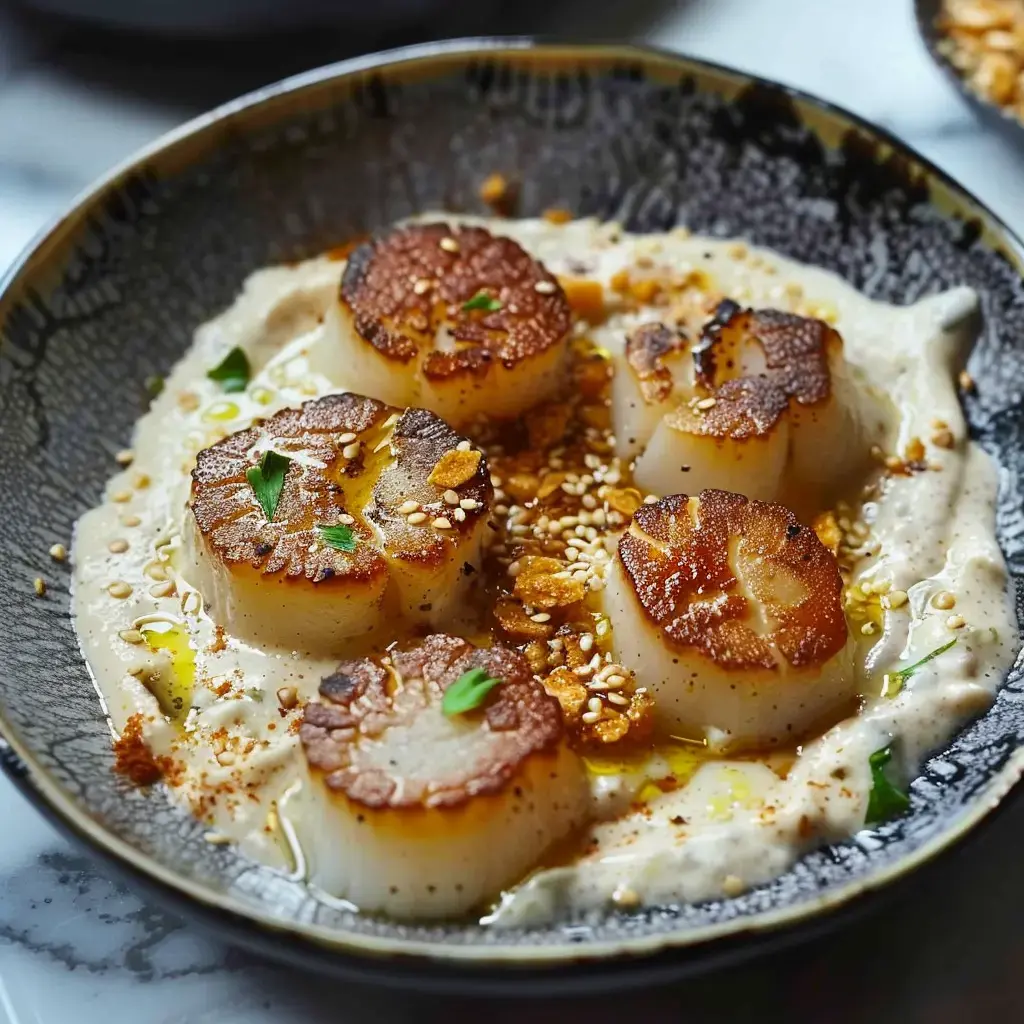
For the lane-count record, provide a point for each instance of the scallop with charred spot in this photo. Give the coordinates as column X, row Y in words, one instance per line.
column 353, row 462
column 407, row 801
column 730, row 612
column 451, row 318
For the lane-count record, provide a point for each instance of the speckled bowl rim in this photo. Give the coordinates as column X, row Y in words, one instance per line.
column 173, row 150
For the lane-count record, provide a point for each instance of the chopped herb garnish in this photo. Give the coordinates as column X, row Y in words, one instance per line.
column 482, row 301
column 232, row 371
column 468, row 692
column 267, row 480
column 154, row 385
column 255, row 693
column 892, row 682
column 885, row 800
column 339, row 537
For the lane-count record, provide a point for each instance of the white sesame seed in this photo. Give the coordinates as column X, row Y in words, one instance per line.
column 944, row 600
column 408, row 506
column 618, row 698
column 496, row 481
column 540, row 617
column 416, row 518
column 545, row 287
column 586, row 642
column 451, row 497
column 518, row 530
column 894, row 599
column 350, row 451
column 463, row 446
column 583, row 670
column 589, row 717
column 572, row 554
column 345, row 519
column 594, row 704
column 421, row 286
column 124, row 457
column 514, row 569
column 58, row 552
column 132, row 636
column 598, row 685
column 226, row 758
column 117, row 547
column 956, row 622
column 869, row 629
column 614, row 679
column 441, row 523
column 460, row 515
column 580, row 575
column 590, row 502
column 469, row 504
column 130, row 520
column 347, row 438
column 449, row 244
column 162, row 589
column 602, row 627
column 121, row 496
column 119, row 589
column 650, row 499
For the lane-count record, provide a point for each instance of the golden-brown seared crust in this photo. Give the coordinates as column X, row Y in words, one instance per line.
column 796, row 350
column 744, row 408
column 646, row 350
column 363, row 699
column 324, row 487
column 692, row 562
column 404, row 285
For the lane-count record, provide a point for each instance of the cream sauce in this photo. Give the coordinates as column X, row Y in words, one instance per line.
column 734, row 823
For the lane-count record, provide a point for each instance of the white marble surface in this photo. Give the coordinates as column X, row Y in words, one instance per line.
column 76, row 946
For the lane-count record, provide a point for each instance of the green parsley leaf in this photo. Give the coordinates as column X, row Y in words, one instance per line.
column 468, row 692
column 267, row 480
column 232, row 371
column 885, row 800
column 339, row 537
column 892, row 682
column 482, row 301
column 154, row 385
column 255, row 693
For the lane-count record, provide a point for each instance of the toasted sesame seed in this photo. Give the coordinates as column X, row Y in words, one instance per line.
column 421, row 286
column 39, row 586
column 460, row 515
column 132, row 636
column 58, row 552
column 124, row 457
column 733, row 885
column 117, row 547
column 451, row 497
column 614, row 679
column 650, row 499
column 514, row 569
column 164, row 589
column 583, row 670
column 155, row 571
column 226, row 758
column 895, row 599
column 345, row 519
column 464, row 446
column 541, row 617
column 944, row 600
column 594, row 704
column 121, row 496
column 350, row 451
column 618, row 698
column 408, row 506
column 449, row 244
column 496, row 481
column 441, row 523
column 119, row 589
column 706, row 403
column 956, row 622
column 589, row 717
column 571, row 554
column 893, row 462
column 347, row 438
column 130, row 520
column 141, row 481
column 469, row 504
column 586, row 642
column 216, row 838
column 287, row 697
column 416, row 518
column 545, row 287
column 869, row 629
column 600, row 685
column 966, row 381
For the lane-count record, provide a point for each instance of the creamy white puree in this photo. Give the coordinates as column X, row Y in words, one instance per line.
column 735, row 823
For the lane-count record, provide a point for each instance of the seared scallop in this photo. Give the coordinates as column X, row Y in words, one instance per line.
column 730, row 612
column 419, row 813
column 377, row 513
column 453, row 319
column 736, row 440
column 655, row 371
column 803, row 357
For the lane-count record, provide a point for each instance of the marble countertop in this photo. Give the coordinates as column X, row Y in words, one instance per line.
column 75, row 945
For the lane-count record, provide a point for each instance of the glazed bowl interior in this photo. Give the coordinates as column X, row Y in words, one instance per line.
column 111, row 294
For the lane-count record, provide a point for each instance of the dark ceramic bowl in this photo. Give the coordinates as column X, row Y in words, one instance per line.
column 111, row 293
column 1010, row 127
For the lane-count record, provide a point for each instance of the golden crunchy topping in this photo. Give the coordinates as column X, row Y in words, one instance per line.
column 455, row 468
column 546, row 590
column 602, row 713
column 586, row 298
column 828, row 530
column 513, row 619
